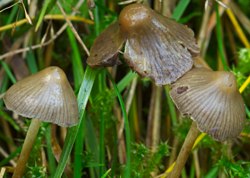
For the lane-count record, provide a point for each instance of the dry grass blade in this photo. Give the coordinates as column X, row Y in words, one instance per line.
column 73, row 29
column 59, row 32
column 26, row 14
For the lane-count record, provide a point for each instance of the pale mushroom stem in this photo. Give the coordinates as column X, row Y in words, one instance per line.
column 185, row 151
column 27, row 147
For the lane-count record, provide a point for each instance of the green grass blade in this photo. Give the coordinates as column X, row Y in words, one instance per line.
column 127, row 171
column 83, row 96
column 180, row 8
column 51, row 158
column 115, row 163
column 8, row 71
column 11, row 18
column 31, row 61
column 11, row 156
column 9, row 120
column 76, row 60
column 106, row 174
column 92, row 148
column 171, row 107
column 4, row 86
column 98, row 13
column 78, row 74
column 48, row 4
column 247, row 111
column 220, row 39
column 78, row 150
column 126, row 80
column 102, row 145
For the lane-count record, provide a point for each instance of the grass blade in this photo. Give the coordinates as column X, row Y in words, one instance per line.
column 76, row 60
column 4, row 86
column 78, row 150
column 51, row 158
column 83, row 96
column 220, row 39
column 180, row 8
column 48, row 4
column 8, row 71
column 31, row 61
column 171, row 106
column 127, row 171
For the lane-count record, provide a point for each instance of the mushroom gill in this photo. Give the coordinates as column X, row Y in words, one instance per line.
column 212, row 100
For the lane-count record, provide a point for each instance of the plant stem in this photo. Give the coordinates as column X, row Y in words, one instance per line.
column 27, row 147
column 185, row 150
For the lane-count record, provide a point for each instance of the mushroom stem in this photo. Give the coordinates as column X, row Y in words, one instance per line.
column 185, row 151
column 27, row 147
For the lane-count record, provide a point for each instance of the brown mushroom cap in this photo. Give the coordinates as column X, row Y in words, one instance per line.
column 46, row 95
column 212, row 99
column 134, row 16
column 104, row 51
column 156, row 46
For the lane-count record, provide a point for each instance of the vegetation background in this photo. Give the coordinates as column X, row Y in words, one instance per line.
column 128, row 126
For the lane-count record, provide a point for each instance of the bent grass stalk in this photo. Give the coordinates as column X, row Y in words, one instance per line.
column 202, row 135
column 238, row 29
column 47, row 17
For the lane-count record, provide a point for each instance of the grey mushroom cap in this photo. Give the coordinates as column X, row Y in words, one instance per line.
column 46, row 95
column 155, row 46
column 212, row 100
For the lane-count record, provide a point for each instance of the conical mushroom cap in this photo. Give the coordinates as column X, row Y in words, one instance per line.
column 212, row 100
column 156, row 46
column 104, row 51
column 46, row 95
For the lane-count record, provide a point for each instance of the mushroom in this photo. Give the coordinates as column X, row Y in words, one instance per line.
column 213, row 102
column 155, row 46
column 209, row 97
column 104, row 51
column 45, row 96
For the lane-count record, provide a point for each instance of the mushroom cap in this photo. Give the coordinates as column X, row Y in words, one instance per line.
column 105, row 49
column 156, row 46
column 46, row 95
column 212, row 99
column 134, row 16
